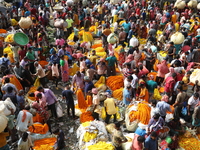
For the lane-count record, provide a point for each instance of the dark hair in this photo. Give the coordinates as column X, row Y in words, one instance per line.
column 31, row 95
column 27, row 107
column 154, row 134
column 180, row 87
column 153, row 101
column 140, row 139
column 156, row 116
column 173, row 74
column 39, row 88
column 196, row 95
column 130, row 77
column 5, row 55
column 10, row 89
column 7, row 80
column 25, row 136
column 140, row 67
column 39, row 95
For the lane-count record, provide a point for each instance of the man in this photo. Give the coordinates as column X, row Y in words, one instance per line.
column 27, row 78
column 30, row 55
column 88, row 85
column 78, row 80
column 7, row 84
column 60, row 143
column 24, row 119
column 112, row 61
column 40, row 73
column 151, row 142
column 94, row 57
column 18, row 71
column 137, row 143
column 151, row 85
column 16, row 50
column 51, row 100
column 134, row 82
column 3, row 143
column 25, row 142
column 127, row 95
column 4, row 62
column 118, row 137
column 122, row 37
column 192, row 103
column 110, row 107
column 68, row 96
column 69, row 25
column 179, row 103
column 20, row 100
column 24, row 61
column 61, row 51
column 163, row 106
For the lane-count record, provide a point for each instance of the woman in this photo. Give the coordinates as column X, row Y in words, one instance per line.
column 162, row 71
column 96, row 102
column 122, row 55
column 64, row 69
column 171, row 71
column 150, row 58
column 101, row 68
column 144, row 94
column 55, row 72
column 155, row 124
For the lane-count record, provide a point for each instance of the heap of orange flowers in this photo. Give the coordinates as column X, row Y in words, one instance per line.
column 86, row 116
column 143, row 114
column 115, row 82
column 118, row 94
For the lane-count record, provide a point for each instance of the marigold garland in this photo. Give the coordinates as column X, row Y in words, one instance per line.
column 86, row 116
column 118, row 94
column 115, row 82
column 143, row 114
column 81, row 99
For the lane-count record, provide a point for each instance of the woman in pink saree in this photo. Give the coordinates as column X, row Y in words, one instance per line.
column 64, row 69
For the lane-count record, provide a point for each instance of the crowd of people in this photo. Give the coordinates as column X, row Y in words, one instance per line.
column 143, row 30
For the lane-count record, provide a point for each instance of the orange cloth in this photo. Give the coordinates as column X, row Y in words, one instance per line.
column 14, row 81
column 37, row 118
column 46, row 142
column 39, row 128
column 144, row 92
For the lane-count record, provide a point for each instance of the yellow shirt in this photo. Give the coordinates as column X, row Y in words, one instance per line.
column 100, row 9
column 3, row 140
column 93, row 59
column 109, row 105
column 186, row 81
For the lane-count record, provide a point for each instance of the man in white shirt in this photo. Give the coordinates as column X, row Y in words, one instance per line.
column 25, row 142
column 24, row 119
column 192, row 102
column 40, row 73
column 134, row 82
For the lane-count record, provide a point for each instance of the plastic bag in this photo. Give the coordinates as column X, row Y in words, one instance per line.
column 184, row 111
column 59, row 110
column 37, row 82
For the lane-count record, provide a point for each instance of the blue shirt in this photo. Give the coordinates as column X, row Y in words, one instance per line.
column 126, row 26
column 150, row 144
column 54, row 58
column 163, row 107
column 88, row 86
column 20, row 99
column 126, row 94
